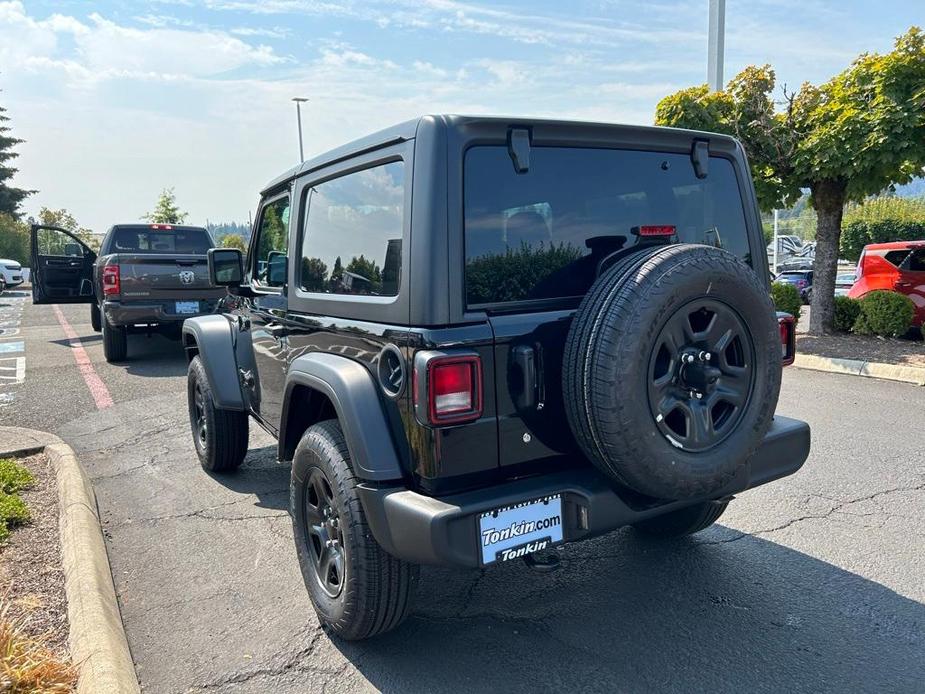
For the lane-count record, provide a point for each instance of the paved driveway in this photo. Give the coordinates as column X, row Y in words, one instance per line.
column 814, row 583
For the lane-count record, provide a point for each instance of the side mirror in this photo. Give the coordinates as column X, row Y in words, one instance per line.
column 277, row 268
column 72, row 250
column 226, row 267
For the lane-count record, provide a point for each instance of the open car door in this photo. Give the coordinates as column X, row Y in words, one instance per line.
column 62, row 267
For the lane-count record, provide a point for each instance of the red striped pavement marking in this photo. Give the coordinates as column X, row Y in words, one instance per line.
column 95, row 384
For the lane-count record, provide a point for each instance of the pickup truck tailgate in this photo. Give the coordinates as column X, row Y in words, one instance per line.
column 154, row 276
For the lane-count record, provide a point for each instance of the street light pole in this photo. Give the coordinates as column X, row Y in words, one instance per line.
column 298, row 115
column 715, row 45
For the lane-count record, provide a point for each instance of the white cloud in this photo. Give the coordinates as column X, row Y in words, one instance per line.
column 274, row 33
column 103, row 49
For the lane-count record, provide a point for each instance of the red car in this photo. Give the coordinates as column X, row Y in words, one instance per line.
column 898, row 266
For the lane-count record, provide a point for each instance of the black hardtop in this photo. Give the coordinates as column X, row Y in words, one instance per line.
column 546, row 130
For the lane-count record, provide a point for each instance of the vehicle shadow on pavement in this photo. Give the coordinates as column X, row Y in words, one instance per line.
column 155, row 356
column 721, row 612
column 262, row 476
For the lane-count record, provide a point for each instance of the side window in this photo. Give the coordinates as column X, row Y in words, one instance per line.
column 897, row 258
column 56, row 243
column 270, row 263
column 352, row 235
column 917, row 261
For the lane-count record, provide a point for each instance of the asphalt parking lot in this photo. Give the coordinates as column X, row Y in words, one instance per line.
column 813, row 583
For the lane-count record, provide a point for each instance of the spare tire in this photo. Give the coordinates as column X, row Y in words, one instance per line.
column 672, row 370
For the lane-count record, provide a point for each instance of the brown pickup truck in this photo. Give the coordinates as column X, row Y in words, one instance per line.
column 146, row 278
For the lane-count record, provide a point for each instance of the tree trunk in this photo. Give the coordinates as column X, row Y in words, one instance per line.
column 828, row 201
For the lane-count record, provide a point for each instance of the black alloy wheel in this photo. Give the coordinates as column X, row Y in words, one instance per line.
column 701, row 374
column 324, row 533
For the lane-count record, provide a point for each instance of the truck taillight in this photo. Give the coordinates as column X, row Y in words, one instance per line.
column 788, row 338
column 451, row 390
column 111, row 280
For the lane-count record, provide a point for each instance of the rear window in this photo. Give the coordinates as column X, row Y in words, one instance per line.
column 541, row 234
column 191, row 241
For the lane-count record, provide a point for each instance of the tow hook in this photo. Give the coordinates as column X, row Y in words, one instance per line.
column 544, row 562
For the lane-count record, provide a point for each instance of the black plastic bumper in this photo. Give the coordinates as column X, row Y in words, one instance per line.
column 428, row 530
column 140, row 313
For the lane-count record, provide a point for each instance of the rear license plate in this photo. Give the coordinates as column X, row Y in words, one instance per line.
column 187, row 307
column 514, row 531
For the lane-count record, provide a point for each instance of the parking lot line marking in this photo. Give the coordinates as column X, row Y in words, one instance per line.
column 6, row 347
column 95, row 384
column 14, row 374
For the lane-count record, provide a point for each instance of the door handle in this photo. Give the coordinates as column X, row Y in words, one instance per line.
column 525, row 363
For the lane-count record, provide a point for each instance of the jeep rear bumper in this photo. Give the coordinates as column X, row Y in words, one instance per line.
column 428, row 530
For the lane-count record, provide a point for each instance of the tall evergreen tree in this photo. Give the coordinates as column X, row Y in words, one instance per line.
column 10, row 198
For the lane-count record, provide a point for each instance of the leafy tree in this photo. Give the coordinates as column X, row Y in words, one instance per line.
column 274, row 233
column 854, row 136
column 368, row 269
column 513, row 275
column 338, row 270
column 314, row 274
column 166, row 211
column 233, row 241
column 10, row 198
column 64, row 219
column 14, row 239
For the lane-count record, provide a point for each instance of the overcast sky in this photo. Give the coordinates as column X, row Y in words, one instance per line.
column 120, row 99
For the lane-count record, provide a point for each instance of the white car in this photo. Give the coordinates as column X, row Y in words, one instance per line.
column 10, row 274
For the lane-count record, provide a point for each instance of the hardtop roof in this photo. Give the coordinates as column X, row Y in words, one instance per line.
column 407, row 130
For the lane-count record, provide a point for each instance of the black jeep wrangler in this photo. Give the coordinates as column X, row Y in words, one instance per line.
column 477, row 338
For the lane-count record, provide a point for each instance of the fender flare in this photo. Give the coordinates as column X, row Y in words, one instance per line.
column 355, row 397
column 212, row 336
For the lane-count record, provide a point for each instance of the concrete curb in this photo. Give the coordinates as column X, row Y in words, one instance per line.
column 97, row 640
column 856, row 367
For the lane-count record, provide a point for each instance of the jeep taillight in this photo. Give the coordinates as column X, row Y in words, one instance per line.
column 111, row 280
column 448, row 389
column 788, row 338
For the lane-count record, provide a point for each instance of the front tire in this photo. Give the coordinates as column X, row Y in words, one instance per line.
column 115, row 342
column 357, row 589
column 220, row 435
column 95, row 318
column 684, row 521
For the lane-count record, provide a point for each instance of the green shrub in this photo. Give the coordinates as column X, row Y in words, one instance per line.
column 13, row 477
column 884, row 313
column 847, row 311
column 786, row 298
column 855, row 235
column 13, row 510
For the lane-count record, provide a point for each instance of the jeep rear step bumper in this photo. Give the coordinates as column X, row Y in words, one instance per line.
column 427, row 530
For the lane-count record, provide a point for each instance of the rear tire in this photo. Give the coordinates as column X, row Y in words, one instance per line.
column 115, row 342
column 685, row 521
column 364, row 591
column 95, row 318
column 220, row 436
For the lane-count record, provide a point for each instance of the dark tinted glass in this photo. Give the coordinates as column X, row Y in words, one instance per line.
column 353, row 232
column 193, row 241
column 917, row 261
column 897, row 258
column 541, row 234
